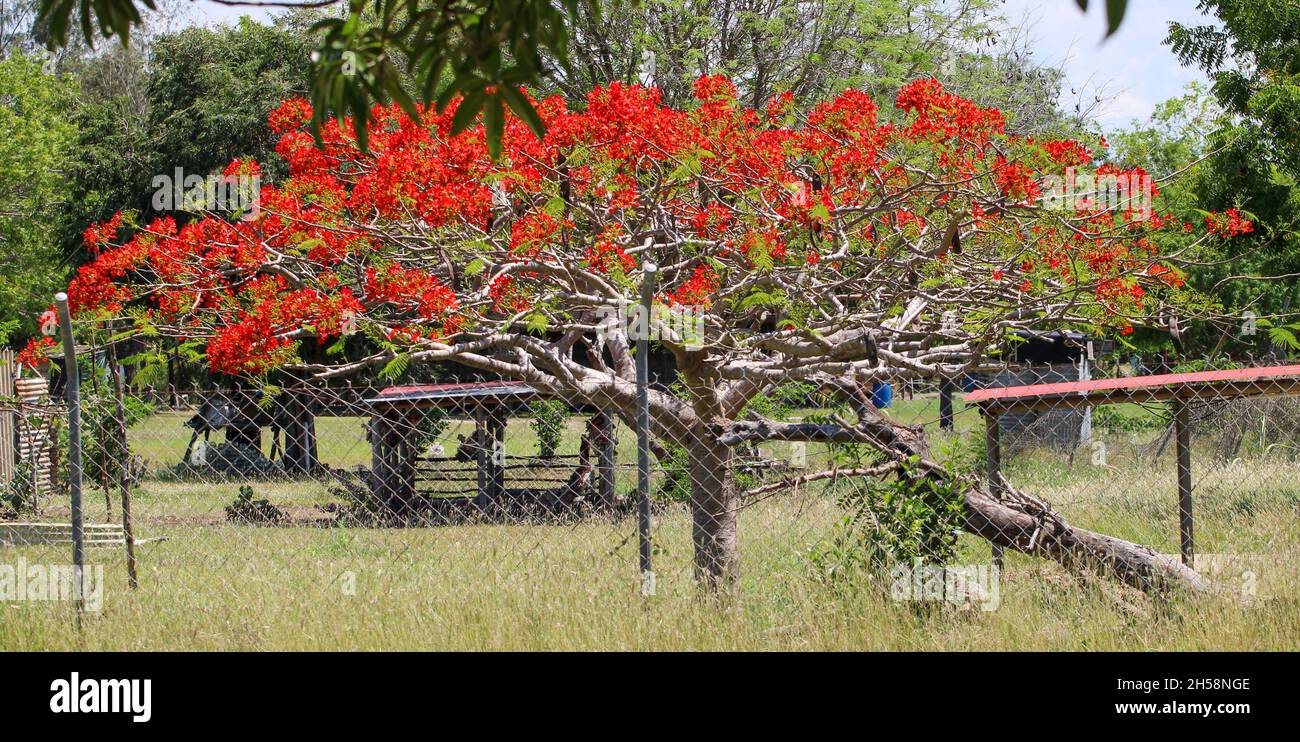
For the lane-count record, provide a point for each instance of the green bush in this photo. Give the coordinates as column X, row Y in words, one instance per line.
column 549, row 420
column 1117, row 419
column 674, row 482
column 906, row 520
column 20, row 493
column 432, row 425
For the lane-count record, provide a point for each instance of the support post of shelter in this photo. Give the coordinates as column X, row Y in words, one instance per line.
column 605, row 459
column 945, row 404
column 489, row 441
column 482, row 500
column 392, row 464
column 498, row 457
column 297, row 419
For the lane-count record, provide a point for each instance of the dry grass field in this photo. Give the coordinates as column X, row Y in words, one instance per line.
column 215, row 585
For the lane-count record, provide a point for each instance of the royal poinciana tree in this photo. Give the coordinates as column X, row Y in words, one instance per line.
column 841, row 246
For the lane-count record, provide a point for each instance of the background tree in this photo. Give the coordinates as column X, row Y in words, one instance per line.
column 1252, row 55
column 1253, row 59
column 16, row 20
column 36, row 137
column 192, row 100
column 477, row 49
column 810, row 50
column 814, row 51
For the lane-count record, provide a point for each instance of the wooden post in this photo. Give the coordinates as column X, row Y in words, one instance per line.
column 993, row 464
column 391, row 464
column 945, row 404
column 297, row 419
column 406, row 451
column 309, row 441
column 605, row 459
column 377, row 432
column 485, row 498
column 497, row 451
column 124, row 470
column 1183, row 445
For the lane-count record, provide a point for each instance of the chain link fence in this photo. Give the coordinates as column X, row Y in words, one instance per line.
column 1201, row 465
column 508, row 515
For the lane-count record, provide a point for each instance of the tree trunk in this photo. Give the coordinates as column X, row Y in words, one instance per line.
column 713, row 505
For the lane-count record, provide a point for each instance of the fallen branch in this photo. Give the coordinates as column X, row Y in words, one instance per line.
column 1011, row 519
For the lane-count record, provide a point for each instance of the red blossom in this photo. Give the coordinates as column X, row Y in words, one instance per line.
column 35, row 354
column 291, row 114
column 389, row 235
column 696, row 291
column 1230, row 223
column 97, row 236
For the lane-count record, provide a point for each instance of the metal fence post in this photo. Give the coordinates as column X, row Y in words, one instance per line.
column 1183, row 446
column 72, row 388
column 648, row 274
column 993, row 463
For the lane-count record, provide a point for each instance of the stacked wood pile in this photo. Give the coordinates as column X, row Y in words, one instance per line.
column 29, row 421
column 44, row 534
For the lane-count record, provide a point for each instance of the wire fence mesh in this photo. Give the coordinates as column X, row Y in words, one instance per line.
column 398, row 510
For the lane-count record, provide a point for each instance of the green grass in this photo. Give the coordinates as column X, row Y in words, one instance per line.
column 215, row 585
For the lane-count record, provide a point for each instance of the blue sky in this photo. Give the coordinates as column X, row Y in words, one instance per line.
column 1132, row 70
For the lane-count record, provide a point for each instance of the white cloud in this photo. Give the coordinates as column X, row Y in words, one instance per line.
column 1132, row 70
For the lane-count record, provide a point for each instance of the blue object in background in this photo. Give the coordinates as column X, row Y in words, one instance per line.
column 882, row 395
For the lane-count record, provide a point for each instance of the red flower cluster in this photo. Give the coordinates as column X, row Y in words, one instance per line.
column 1067, row 152
column 411, row 289
column 1016, row 181
column 606, row 254
column 734, row 190
column 1168, row 276
column 292, row 114
column 711, row 220
column 1228, row 224
column 35, row 354
column 938, row 114
column 97, row 236
column 257, row 341
column 532, row 233
column 696, row 291
column 507, row 295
